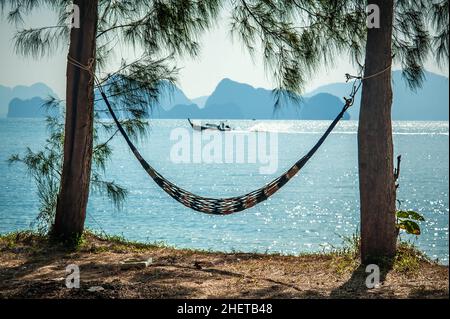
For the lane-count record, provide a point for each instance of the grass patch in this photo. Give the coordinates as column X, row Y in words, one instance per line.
column 20, row 238
column 346, row 258
column 408, row 259
column 28, row 260
column 116, row 243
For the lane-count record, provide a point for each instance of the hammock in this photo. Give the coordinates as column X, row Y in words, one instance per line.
column 225, row 206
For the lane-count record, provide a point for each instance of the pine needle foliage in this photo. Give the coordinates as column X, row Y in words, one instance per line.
column 294, row 37
column 44, row 166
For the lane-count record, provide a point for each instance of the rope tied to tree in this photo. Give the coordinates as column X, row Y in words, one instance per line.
column 89, row 67
column 359, row 77
column 220, row 206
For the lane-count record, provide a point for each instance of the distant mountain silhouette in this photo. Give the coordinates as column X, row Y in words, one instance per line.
column 243, row 98
column 180, row 111
column 322, row 106
column 171, row 96
column 201, row 101
column 31, row 108
column 431, row 102
column 22, row 92
column 233, row 100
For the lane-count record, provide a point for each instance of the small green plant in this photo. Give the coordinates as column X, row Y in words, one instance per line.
column 409, row 258
column 408, row 221
column 45, row 165
column 346, row 258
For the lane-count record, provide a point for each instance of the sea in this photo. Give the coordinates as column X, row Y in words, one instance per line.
column 314, row 212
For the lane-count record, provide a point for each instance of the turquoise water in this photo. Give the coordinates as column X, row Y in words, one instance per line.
column 310, row 213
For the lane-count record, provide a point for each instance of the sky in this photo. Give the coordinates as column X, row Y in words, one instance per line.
column 219, row 58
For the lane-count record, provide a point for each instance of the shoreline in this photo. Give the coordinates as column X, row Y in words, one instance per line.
column 110, row 267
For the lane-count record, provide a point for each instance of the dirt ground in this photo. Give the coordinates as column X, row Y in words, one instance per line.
column 31, row 268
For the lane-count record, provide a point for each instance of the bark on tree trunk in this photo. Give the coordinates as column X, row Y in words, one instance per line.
column 376, row 171
column 78, row 142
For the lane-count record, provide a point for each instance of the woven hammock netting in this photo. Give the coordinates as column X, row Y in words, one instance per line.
column 225, row 206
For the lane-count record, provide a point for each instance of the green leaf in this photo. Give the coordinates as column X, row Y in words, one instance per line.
column 410, row 227
column 410, row 215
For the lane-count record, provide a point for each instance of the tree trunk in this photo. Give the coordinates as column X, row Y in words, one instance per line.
column 78, row 142
column 376, row 172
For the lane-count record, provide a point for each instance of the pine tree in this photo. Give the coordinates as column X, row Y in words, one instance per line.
column 159, row 29
column 296, row 37
column 409, row 32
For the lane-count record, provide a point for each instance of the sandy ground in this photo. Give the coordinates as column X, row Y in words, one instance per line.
column 30, row 268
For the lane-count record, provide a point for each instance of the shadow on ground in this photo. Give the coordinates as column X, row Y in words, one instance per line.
column 38, row 271
column 356, row 286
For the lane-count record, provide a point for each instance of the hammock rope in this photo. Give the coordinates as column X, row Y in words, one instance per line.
column 222, row 206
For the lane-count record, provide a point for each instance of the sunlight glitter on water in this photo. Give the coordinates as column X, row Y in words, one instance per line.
column 311, row 213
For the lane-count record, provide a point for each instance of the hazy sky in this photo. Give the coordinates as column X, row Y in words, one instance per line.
column 220, row 58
